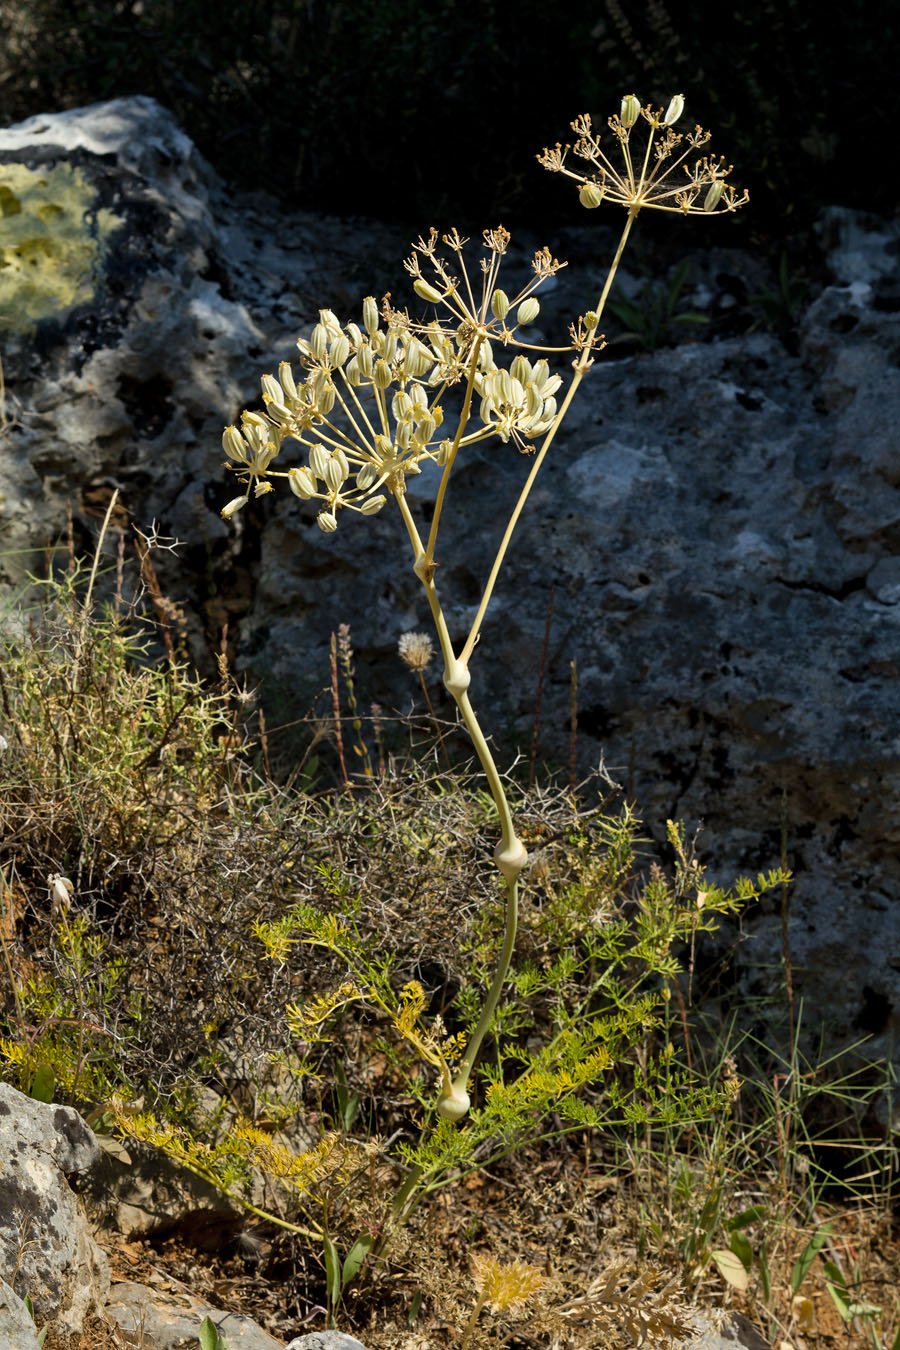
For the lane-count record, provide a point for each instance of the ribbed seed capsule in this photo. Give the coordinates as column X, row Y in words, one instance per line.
column 339, row 350
column 631, row 110
column 370, row 314
column 499, row 304
column 327, row 521
column 591, row 195
column 367, row 477
column 340, row 458
column 286, row 379
column 272, row 391
column 352, row 372
column 389, row 350
column 520, row 369
column 712, row 198
column 366, row 360
column 325, row 401
column 674, row 110
column 330, row 322
column 528, row 310
column 382, row 374
column 373, row 506
column 539, row 372
column 318, row 341
column 354, row 333
column 401, row 405
column 301, row 482
column 234, row 445
column 318, row 460
column 334, row 476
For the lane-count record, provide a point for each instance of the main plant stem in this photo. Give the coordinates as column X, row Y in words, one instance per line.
column 510, row 854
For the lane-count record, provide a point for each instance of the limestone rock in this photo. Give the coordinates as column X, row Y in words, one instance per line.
column 17, row 1328
column 46, row 1250
column 325, row 1340
column 170, row 1321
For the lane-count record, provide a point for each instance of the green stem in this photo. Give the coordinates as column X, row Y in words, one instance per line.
column 582, row 366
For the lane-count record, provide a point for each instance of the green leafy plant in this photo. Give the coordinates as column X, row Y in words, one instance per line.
column 652, row 314
column 209, row 1336
column 42, row 1334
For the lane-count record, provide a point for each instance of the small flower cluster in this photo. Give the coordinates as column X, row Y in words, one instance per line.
column 648, row 179
column 369, row 411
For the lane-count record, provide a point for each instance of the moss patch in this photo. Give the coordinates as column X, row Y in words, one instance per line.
column 52, row 240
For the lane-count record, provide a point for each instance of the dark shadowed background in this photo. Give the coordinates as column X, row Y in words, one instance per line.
column 412, row 112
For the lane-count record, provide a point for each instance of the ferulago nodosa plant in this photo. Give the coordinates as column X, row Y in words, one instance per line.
column 371, row 407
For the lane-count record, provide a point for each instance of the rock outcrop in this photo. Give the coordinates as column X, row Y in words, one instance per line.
column 46, row 1250
column 718, row 526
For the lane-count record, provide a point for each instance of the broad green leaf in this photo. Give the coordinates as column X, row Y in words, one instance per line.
column 43, row 1084
column 355, row 1257
column 208, row 1335
column 746, row 1217
column 808, row 1255
column 732, row 1269
column 332, row 1271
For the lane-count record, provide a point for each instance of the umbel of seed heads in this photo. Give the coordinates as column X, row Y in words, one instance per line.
column 369, row 410
column 663, row 174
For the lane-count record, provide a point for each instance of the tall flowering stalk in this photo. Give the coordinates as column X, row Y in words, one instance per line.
column 370, row 412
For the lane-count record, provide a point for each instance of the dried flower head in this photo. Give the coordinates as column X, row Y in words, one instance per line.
column 662, row 174
column 504, row 1286
column 416, row 650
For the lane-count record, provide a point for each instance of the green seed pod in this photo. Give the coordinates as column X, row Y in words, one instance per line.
column 318, row 460
column 631, row 110
column 327, row 521
column 286, row 379
column 500, row 304
column 318, row 341
column 271, row 389
column 401, row 405
column 382, row 375
column 713, row 197
column 425, row 291
column 234, row 505
column 334, row 476
column 528, row 311
column 330, row 322
column 234, row 445
column 301, row 482
column 370, row 314
column 339, row 350
column 373, row 506
column 367, row 477
column 520, row 368
column 674, row 110
column 366, row 360
column 352, row 372
column 591, row 195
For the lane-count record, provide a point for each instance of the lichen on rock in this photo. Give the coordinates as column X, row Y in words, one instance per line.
column 53, row 240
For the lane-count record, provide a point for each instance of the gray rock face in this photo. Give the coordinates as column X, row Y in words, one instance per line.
column 732, row 1331
column 46, row 1250
column 17, row 1329
column 169, row 1322
column 720, row 523
column 326, row 1340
